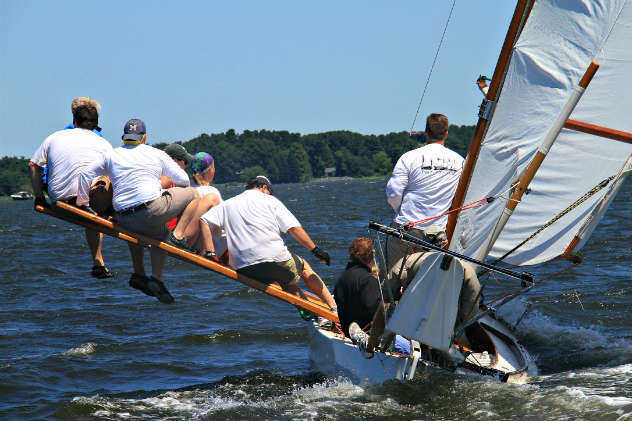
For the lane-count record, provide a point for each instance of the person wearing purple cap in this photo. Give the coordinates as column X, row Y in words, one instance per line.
column 140, row 203
column 198, row 234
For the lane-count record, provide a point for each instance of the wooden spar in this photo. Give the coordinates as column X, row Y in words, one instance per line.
column 529, row 173
column 598, row 131
column 521, row 13
column 88, row 220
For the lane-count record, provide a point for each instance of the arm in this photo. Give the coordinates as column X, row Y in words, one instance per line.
column 165, row 182
column 301, row 237
column 35, row 172
column 173, row 171
column 88, row 174
column 397, row 185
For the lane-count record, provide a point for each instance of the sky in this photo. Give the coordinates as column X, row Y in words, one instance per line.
column 193, row 67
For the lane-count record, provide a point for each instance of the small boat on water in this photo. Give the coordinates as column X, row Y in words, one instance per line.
column 22, row 195
column 557, row 93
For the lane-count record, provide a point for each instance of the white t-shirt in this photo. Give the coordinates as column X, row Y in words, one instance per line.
column 253, row 222
column 423, row 184
column 205, row 190
column 66, row 153
column 135, row 173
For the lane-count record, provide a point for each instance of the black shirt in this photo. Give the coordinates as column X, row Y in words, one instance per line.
column 357, row 295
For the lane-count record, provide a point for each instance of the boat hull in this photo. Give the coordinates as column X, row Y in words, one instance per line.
column 335, row 356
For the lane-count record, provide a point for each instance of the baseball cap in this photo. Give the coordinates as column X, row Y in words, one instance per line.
column 175, row 150
column 134, row 130
column 201, row 162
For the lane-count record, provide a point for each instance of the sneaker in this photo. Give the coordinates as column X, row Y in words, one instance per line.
column 159, row 290
column 324, row 323
column 180, row 243
column 140, row 283
column 360, row 338
column 101, row 272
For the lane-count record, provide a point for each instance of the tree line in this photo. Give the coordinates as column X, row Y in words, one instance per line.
column 283, row 156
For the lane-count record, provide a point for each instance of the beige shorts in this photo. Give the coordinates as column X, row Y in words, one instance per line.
column 151, row 219
column 285, row 273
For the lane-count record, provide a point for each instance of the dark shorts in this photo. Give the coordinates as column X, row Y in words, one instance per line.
column 151, row 220
column 284, row 273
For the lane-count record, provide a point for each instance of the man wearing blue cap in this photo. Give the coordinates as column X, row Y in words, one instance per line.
column 140, row 204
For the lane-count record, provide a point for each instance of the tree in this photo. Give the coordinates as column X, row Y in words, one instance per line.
column 298, row 163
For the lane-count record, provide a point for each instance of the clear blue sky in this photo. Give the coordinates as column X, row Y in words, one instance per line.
column 195, row 67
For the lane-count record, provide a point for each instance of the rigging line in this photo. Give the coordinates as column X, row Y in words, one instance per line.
column 572, row 206
column 433, row 65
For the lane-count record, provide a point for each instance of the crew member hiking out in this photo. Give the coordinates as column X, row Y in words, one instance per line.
column 253, row 221
column 65, row 153
column 141, row 206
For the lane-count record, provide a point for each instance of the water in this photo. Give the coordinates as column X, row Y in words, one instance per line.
column 76, row 348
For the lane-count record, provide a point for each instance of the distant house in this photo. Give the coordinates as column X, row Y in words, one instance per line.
column 330, row 172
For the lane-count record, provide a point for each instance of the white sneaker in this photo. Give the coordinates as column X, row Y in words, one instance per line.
column 360, row 338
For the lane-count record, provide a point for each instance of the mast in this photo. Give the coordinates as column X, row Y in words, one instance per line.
column 521, row 13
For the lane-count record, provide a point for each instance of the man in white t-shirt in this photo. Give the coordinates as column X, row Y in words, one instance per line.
column 422, row 187
column 253, row 221
column 65, row 153
column 140, row 203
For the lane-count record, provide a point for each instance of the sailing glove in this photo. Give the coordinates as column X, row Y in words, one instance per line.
column 322, row 255
column 41, row 201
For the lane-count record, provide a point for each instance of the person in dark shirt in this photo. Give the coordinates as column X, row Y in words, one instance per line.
column 357, row 291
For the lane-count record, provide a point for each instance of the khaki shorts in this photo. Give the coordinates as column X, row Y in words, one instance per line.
column 285, row 273
column 151, row 219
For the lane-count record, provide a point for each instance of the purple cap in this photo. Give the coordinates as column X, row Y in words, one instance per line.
column 134, row 129
column 201, row 161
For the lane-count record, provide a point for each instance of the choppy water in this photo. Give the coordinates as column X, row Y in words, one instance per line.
column 75, row 348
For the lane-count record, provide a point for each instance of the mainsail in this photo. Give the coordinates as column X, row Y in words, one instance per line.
column 556, row 46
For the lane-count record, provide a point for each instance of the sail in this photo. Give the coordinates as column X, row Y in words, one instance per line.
column 427, row 311
column 557, row 44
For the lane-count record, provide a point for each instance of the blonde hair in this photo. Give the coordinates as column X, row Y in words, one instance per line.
column 84, row 101
column 200, row 178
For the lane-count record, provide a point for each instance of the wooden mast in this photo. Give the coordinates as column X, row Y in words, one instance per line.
column 521, row 13
column 88, row 220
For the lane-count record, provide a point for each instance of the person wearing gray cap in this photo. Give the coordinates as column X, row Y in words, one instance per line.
column 253, row 221
column 140, row 204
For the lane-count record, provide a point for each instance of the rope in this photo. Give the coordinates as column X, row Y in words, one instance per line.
column 472, row 205
column 535, row 283
column 575, row 204
column 433, row 66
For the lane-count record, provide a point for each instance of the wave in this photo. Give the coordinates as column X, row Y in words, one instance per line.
column 84, row 349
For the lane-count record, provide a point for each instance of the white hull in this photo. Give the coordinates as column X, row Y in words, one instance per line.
column 334, row 355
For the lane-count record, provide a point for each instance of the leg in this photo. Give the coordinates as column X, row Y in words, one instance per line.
column 137, row 253
column 95, row 242
column 316, row 285
column 186, row 217
column 206, row 237
column 204, row 204
column 158, row 258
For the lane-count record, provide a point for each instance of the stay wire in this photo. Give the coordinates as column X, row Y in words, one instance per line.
column 433, row 66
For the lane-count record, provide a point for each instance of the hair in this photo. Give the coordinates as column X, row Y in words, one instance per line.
column 86, row 117
column 200, row 178
column 436, row 126
column 258, row 182
column 83, row 101
column 361, row 250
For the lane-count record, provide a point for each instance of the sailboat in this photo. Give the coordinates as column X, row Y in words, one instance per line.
column 552, row 147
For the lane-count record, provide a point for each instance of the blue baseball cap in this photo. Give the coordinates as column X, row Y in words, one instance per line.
column 134, row 130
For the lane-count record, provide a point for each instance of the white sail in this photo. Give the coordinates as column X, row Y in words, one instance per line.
column 556, row 46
